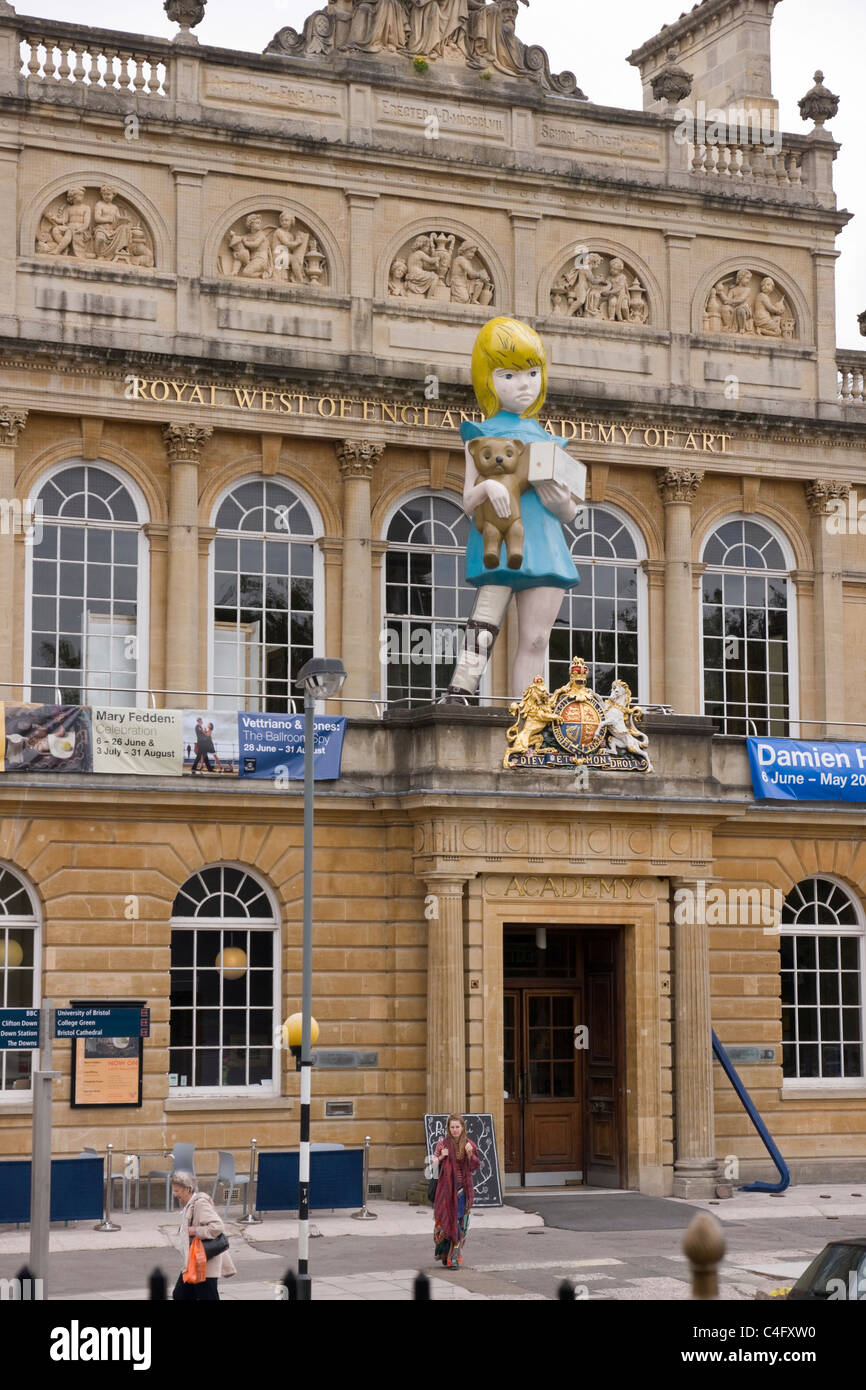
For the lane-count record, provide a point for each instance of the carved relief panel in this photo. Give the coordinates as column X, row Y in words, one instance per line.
column 600, row 286
column 749, row 304
column 438, row 266
column 94, row 224
column 273, row 246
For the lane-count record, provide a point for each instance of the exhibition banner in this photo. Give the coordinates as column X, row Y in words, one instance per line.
column 47, row 738
column 143, row 741
column 786, row 769
column 210, row 742
column 272, row 746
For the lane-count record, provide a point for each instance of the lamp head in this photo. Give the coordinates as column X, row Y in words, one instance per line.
column 292, row 1032
column 322, row 678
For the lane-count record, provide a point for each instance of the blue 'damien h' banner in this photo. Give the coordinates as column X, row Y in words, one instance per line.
column 787, row 769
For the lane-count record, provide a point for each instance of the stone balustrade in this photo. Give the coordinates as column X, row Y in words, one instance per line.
column 747, row 163
column 51, row 54
column 851, row 367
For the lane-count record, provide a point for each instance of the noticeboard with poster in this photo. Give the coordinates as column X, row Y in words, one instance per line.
column 107, row 1071
column 486, row 1182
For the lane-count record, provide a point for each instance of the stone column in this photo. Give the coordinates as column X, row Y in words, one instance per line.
column 678, row 488
column 183, row 444
column 695, row 1167
column 12, row 423
column 524, row 227
column 357, row 458
column 828, row 506
column 446, row 1030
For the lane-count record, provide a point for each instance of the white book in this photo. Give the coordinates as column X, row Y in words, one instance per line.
column 550, row 463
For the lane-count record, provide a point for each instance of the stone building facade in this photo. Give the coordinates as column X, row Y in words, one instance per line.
column 238, row 295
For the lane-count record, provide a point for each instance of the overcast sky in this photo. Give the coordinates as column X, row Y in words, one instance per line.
column 594, row 44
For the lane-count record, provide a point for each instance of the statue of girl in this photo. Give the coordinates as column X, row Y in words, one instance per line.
column 509, row 374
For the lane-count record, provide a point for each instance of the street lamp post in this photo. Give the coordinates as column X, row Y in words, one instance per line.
column 321, row 679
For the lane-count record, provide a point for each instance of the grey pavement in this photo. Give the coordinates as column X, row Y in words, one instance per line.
column 610, row 1245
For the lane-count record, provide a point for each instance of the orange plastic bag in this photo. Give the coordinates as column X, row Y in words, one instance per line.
column 196, row 1264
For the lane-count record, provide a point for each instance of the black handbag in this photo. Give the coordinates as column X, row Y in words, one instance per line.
column 216, row 1246
column 431, row 1189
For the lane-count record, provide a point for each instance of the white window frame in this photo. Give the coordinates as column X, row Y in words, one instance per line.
column 30, row 923
column 142, row 601
column 260, row 1091
column 484, row 697
column 792, row 1085
column 643, row 647
column 793, row 616
column 318, row 568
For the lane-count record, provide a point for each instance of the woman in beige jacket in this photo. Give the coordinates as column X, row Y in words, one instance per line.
column 199, row 1218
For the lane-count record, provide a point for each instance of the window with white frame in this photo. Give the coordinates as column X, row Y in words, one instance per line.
column 18, row 973
column 263, row 578
column 746, row 632
column 427, row 601
column 84, row 605
column 224, row 984
column 600, row 618
column 822, row 991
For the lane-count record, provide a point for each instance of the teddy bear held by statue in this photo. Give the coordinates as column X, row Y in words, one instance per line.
column 507, row 461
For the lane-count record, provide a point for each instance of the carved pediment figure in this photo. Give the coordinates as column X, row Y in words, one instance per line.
column 425, row 28
column 473, row 32
column 433, row 266
column 600, row 287
column 750, row 306
column 377, row 25
column 90, row 224
column 272, row 246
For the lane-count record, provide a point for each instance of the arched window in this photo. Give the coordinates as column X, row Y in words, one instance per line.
column 426, row 601
column 600, row 619
column 822, row 991
column 746, row 629
column 263, row 626
column 225, row 1004
column 86, row 633
column 18, row 972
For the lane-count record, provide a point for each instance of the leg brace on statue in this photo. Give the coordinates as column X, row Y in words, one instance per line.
column 482, row 630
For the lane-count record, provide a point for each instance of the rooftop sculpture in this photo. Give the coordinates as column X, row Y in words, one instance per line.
column 473, row 33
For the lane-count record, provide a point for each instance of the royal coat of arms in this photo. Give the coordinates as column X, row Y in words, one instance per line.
column 574, row 727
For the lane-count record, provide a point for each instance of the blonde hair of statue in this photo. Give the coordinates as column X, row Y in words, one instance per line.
column 513, row 346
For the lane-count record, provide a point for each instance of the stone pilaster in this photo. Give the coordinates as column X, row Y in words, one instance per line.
column 679, row 249
column 827, row 500
column 695, row 1167
column 824, row 262
column 362, row 206
column 12, row 520
column 188, row 224
column 446, row 1029
column 357, row 458
column 678, row 488
column 183, row 444
column 524, row 228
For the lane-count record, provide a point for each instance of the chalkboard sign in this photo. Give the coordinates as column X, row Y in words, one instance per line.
column 479, row 1128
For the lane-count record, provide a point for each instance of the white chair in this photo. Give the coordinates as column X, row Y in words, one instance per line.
column 182, row 1160
column 226, row 1174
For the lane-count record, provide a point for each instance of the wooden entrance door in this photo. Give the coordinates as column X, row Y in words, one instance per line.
column 543, row 1081
column 604, row 1098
